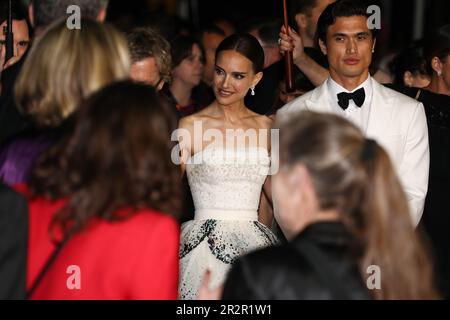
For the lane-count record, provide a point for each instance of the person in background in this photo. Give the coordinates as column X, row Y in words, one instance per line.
column 266, row 31
column 306, row 14
column 211, row 37
column 20, row 28
column 41, row 13
column 48, row 91
column 305, row 54
column 188, row 59
column 150, row 56
column 301, row 86
column 103, row 198
column 410, row 68
column 226, row 25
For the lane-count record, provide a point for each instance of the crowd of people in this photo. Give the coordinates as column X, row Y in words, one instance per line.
column 138, row 164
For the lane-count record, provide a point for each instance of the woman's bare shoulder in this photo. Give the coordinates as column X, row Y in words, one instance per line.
column 189, row 121
column 263, row 121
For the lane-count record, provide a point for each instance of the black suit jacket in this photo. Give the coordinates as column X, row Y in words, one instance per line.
column 11, row 121
column 288, row 272
column 13, row 244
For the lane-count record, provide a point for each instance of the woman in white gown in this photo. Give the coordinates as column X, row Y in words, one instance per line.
column 225, row 152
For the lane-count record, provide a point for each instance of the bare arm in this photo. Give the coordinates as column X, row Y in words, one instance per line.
column 184, row 137
column 265, row 213
column 293, row 42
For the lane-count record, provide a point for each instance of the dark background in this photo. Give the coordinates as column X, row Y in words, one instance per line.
column 399, row 17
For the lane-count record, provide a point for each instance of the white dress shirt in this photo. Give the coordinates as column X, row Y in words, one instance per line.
column 357, row 115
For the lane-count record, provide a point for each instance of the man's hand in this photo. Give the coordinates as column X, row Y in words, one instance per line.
column 205, row 293
column 291, row 41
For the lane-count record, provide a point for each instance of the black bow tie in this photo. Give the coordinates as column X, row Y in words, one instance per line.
column 358, row 98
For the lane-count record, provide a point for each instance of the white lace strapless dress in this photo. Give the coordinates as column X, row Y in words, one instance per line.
column 226, row 187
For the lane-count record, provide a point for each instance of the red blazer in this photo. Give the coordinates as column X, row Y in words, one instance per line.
column 136, row 258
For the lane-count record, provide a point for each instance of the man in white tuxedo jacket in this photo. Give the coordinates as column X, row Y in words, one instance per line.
column 395, row 121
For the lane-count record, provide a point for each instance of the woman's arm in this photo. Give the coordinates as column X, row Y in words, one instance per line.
column 265, row 213
column 184, row 137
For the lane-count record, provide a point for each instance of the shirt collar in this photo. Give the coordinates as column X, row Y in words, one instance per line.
column 335, row 88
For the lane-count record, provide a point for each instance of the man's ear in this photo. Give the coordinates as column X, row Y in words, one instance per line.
column 408, row 78
column 436, row 64
column 301, row 20
column 323, row 47
column 31, row 13
column 101, row 15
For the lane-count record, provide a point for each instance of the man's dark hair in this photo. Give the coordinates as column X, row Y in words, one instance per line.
column 181, row 48
column 211, row 28
column 411, row 59
column 438, row 44
column 47, row 11
column 18, row 11
column 338, row 9
column 301, row 6
column 268, row 31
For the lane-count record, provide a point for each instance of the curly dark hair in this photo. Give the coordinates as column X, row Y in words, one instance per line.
column 118, row 155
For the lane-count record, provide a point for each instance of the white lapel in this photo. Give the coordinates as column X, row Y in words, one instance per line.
column 319, row 100
column 381, row 108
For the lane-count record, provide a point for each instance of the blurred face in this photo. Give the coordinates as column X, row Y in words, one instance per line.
column 21, row 40
column 146, row 71
column 416, row 81
column 349, row 49
column 294, row 198
column 226, row 26
column 190, row 70
column 284, row 213
column 314, row 15
column 288, row 96
column 210, row 41
column 271, row 52
column 233, row 77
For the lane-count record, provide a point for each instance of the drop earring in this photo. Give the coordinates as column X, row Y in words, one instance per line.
column 252, row 90
column 439, row 73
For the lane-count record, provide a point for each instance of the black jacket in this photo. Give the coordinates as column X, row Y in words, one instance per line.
column 315, row 265
column 267, row 89
column 11, row 121
column 13, row 244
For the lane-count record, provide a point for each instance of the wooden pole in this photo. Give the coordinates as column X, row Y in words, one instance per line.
column 288, row 58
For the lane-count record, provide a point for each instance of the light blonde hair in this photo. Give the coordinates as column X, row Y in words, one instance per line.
column 65, row 66
column 355, row 176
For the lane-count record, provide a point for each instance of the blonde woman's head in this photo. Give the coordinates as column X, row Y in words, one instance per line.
column 65, row 66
